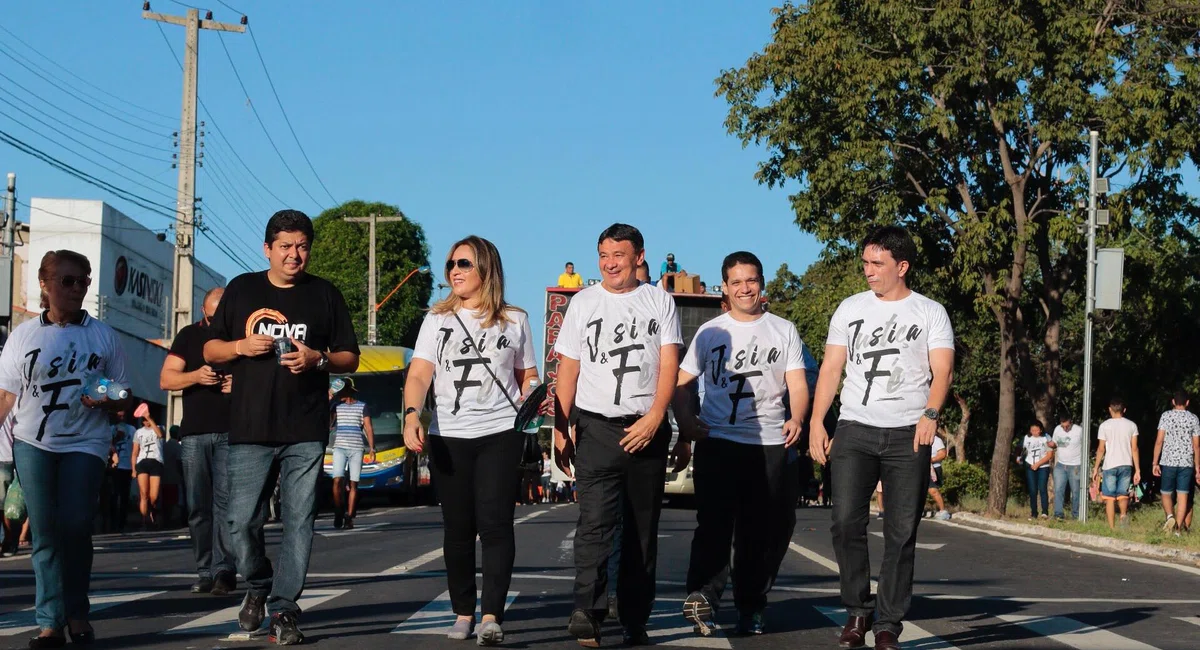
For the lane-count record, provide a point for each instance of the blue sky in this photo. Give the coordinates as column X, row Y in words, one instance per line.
column 533, row 124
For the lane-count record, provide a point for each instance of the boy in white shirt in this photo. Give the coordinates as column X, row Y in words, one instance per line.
column 1118, row 452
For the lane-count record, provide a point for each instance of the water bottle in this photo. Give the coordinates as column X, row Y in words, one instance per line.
column 100, row 388
column 536, row 423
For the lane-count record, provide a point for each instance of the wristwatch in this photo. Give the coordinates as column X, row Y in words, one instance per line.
column 323, row 362
column 931, row 414
column 409, row 411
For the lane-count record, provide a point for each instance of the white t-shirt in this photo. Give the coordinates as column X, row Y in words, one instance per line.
column 46, row 367
column 1070, row 445
column 1118, row 435
column 887, row 345
column 938, row 446
column 469, row 403
column 6, row 439
column 618, row 338
column 150, row 446
column 742, row 366
column 1036, row 448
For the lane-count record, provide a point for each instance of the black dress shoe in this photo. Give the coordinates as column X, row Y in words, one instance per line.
column 87, row 637
column 585, row 628
column 48, row 642
column 223, row 584
column 202, row 586
column 854, row 634
column 885, row 640
column 635, row 636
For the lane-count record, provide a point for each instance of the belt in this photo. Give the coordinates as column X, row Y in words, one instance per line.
column 622, row 420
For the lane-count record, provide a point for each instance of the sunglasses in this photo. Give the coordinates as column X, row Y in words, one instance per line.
column 69, row 281
column 464, row 264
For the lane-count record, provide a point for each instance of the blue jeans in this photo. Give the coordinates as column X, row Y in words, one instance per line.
column 1036, row 481
column 61, row 493
column 864, row 456
column 249, row 468
column 1066, row 481
column 1177, row 480
column 205, row 461
column 1117, row 481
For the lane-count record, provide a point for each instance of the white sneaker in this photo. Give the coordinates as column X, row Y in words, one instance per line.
column 489, row 633
column 462, row 629
column 942, row 515
column 1170, row 525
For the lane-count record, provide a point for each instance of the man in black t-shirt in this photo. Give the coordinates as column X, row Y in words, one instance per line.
column 280, row 411
column 204, row 435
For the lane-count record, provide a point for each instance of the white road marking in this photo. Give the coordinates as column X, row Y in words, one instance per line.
column 438, row 616
column 1194, row 620
column 668, row 627
column 224, row 621
column 923, row 547
column 334, row 532
column 914, row 636
column 23, row 621
column 566, row 549
column 1071, row 632
column 1074, row 549
column 409, row 566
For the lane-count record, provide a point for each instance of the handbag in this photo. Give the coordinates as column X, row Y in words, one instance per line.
column 531, row 453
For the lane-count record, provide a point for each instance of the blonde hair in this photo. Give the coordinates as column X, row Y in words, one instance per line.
column 491, row 276
column 48, row 269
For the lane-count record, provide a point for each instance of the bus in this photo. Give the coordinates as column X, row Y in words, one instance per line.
column 395, row 474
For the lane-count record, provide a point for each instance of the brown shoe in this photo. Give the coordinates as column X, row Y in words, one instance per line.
column 854, row 635
column 885, row 640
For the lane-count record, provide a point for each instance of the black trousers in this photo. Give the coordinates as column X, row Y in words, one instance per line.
column 745, row 497
column 477, row 481
column 864, row 456
column 615, row 486
column 122, row 480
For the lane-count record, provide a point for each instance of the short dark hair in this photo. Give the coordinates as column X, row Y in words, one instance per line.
column 1180, row 398
column 895, row 240
column 1038, row 424
column 740, row 257
column 569, row 264
column 623, row 232
column 1065, row 416
column 288, row 221
column 1116, row 404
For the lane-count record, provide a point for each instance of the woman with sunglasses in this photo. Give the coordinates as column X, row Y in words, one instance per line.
column 477, row 352
column 61, row 438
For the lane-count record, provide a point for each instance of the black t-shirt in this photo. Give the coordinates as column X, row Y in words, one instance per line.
column 270, row 404
column 205, row 408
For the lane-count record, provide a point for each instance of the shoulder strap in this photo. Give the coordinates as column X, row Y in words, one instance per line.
column 486, row 366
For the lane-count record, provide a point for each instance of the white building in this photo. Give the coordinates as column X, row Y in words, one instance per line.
column 131, row 278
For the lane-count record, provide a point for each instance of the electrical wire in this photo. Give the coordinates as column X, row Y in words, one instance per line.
column 90, row 223
column 73, row 128
column 286, row 119
column 254, row 109
column 170, row 118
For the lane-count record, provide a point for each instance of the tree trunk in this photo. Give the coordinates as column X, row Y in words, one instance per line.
column 1006, row 420
column 956, row 442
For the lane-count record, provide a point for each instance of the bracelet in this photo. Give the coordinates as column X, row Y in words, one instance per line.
column 237, row 347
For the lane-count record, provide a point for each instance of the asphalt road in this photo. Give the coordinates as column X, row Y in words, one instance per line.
column 382, row 585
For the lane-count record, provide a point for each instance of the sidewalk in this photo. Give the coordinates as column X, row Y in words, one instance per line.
column 1173, row 555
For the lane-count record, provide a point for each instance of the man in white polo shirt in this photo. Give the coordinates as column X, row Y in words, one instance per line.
column 746, row 471
column 619, row 348
column 897, row 350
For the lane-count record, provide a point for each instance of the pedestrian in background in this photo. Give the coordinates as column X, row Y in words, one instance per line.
column 1036, row 455
column 1117, row 457
column 1067, row 443
column 1176, row 457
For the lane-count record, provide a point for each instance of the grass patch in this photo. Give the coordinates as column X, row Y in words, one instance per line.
column 1145, row 523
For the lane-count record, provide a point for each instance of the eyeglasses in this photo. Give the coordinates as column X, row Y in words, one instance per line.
column 464, row 264
column 69, row 281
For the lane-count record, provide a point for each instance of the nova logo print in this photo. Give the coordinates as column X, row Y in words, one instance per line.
column 274, row 324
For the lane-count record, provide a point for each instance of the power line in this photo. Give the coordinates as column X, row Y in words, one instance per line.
column 73, row 116
column 226, row 5
column 216, row 128
column 262, row 124
column 73, row 128
column 70, row 93
column 136, row 199
column 90, row 223
column 171, row 119
column 285, row 117
column 246, row 249
column 101, row 165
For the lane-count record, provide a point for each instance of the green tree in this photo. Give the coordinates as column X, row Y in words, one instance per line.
column 967, row 122
column 340, row 255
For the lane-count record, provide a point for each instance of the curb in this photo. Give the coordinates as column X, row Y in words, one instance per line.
column 1174, row 555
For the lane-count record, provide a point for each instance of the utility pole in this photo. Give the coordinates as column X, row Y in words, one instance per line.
column 185, row 202
column 8, row 254
column 1090, row 307
column 372, row 328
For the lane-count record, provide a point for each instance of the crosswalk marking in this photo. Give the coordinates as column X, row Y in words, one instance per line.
column 923, row 547
column 438, row 616
column 224, row 622
column 913, row 637
column 1071, row 632
column 365, row 528
column 670, row 613
column 1194, row 620
column 413, row 564
column 23, row 621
